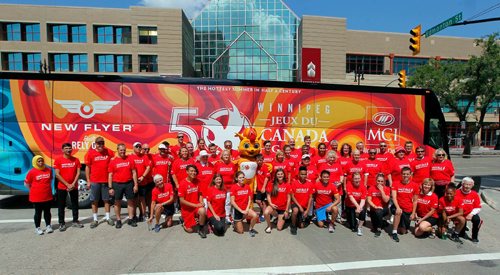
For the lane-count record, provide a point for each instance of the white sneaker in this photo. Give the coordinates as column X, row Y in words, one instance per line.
column 360, row 232
column 331, row 228
column 38, row 231
column 49, row 229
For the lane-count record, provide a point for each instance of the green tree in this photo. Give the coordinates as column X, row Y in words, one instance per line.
column 474, row 82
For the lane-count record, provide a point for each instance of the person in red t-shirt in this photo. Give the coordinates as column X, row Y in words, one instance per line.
column 228, row 145
column 326, row 201
column 122, row 180
column 396, row 164
column 38, row 181
column 312, row 172
column 179, row 165
column 355, row 204
column 227, row 169
column 280, row 163
column 143, row 168
column 191, row 202
column 241, row 200
column 213, row 156
column 292, row 161
column 334, row 145
column 295, row 153
column 278, row 198
column 201, row 145
column 409, row 154
column 345, row 154
column 472, row 206
column 372, row 168
column 363, row 155
column 404, row 196
column 262, row 179
column 378, row 199
column 216, row 205
column 442, row 171
column 96, row 172
column 162, row 163
column 451, row 209
column 267, row 152
column 335, row 169
column 206, row 171
column 162, row 202
column 385, row 157
column 67, row 172
column 175, row 149
column 302, row 196
column 321, row 157
column 311, row 150
column 190, row 148
column 421, row 165
column 424, row 211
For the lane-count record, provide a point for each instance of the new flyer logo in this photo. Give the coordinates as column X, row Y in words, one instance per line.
column 86, row 110
column 382, row 124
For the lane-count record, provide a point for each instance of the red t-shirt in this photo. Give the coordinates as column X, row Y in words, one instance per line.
column 344, row 161
column 205, row 175
column 372, row 168
column 179, row 168
column 190, row 192
column 293, row 165
column 121, row 169
column 421, row 169
column 425, row 203
column 324, row 194
column 376, row 195
column 386, row 159
column 284, row 189
column 469, row 201
column 217, row 198
column 395, row 168
column 302, row 191
column 450, row 207
column 235, row 154
column 351, row 168
column 363, row 156
column 213, row 159
column 359, row 193
column 141, row 164
column 296, row 154
column 161, row 165
column 227, row 172
column 161, row 195
column 405, row 193
column 335, row 171
column 318, row 161
column 411, row 156
column 268, row 157
column 277, row 165
column 40, row 184
column 68, row 169
column 312, row 173
column 174, row 149
column 98, row 164
column 262, row 174
column 441, row 172
column 241, row 194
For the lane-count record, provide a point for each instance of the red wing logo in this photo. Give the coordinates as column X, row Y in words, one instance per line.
column 87, row 110
column 383, row 119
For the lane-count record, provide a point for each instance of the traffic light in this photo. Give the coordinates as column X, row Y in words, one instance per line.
column 402, row 79
column 415, row 39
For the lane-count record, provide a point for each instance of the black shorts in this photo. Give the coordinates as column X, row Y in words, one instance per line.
column 237, row 215
column 126, row 188
column 405, row 221
column 99, row 191
column 259, row 196
column 168, row 210
column 280, row 212
column 433, row 221
column 142, row 191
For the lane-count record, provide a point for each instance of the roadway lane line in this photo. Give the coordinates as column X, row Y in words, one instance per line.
column 346, row 265
column 55, row 220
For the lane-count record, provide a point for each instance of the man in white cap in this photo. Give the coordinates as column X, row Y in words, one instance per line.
column 162, row 161
column 143, row 167
column 312, row 172
column 206, row 171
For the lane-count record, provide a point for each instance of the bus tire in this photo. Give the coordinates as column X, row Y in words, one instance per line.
column 83, row 195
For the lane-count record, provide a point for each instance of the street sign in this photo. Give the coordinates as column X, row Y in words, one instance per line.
column 443, row 25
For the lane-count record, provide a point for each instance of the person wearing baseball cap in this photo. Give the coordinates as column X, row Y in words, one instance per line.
column 143, row 167
column 312, row 172
column 206, row 171
column 162, row 161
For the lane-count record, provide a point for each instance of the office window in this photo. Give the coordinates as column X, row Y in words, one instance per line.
column 59, row 62
column 148, row 63
column 58, row 33
column 65, row 33
column 18, row 61
column 408, row 63
column 113, row 63
column 17, row 31
column 80, row 63
column 368, row 64
column 32, row 32
column 33, row 61
column 112, row 35
column 148, row 35
column 13, row 31
column 78, row 34
column 66, row 62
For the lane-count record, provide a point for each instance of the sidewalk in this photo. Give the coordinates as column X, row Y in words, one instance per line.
column 476, row 151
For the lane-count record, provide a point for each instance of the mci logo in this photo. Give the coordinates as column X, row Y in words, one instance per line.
column 382, row 124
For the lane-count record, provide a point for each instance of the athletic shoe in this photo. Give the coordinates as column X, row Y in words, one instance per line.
column 252, row 232
column 94, row 224
column 202, row 232
column 135, row 219
column 118, row 224
column 395, row 237
column 268, row 230
column 111, row 222
column 181, row 220
column 475, row 240
column 62, row 227
column 228, row 220
column 77, row 224
column 132, row 222
column 377, row 233
column 49, row 229
column 360, row 232
column 38, row 231
column 454, row 237
column 157, row 228
column 293, row 230
column 331, row 228
column 141, row 218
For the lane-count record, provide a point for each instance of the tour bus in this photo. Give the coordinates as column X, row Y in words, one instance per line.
column 40, row 112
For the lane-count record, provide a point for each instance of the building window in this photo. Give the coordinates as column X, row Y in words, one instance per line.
column 80, row 63
column 148, row 63
column 20, row 31
column 112, row 35
column 21, row 61
column 64, row 62
column 106, row 63
column 148, row 35
column 408, row 63
column 368, row 64
column 67, row 33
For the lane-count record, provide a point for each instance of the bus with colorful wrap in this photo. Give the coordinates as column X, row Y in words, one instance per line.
column 40, row 112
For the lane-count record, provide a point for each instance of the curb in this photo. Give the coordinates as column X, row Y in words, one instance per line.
column 488, row 201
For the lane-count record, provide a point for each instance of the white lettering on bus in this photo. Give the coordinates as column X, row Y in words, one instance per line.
column 86, row 127
column 290, row 108
column 286, row 134
column 388, row 134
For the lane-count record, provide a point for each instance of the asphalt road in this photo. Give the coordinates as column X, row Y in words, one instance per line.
column 106, row 250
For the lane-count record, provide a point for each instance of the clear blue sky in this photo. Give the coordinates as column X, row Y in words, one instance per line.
column 374, row 15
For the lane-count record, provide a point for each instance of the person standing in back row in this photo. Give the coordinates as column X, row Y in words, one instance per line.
column 67, row 171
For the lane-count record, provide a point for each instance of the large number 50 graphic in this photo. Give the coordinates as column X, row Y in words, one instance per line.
column 177, row 112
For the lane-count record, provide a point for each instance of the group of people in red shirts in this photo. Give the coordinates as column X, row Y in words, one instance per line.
column 326, row 184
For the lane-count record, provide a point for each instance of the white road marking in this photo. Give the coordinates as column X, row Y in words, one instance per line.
column 347, row 265
column 55, row 220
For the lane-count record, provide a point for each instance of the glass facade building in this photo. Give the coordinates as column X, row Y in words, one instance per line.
column 246, row 39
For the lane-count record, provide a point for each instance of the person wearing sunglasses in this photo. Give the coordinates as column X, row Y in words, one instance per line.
column 175, row 149
column 143, row 167
column 96, row 172
column 421, row 165
column 373, row 167
column 228, row 145
column 409, row 154
column 442, row 171
column 385, row 157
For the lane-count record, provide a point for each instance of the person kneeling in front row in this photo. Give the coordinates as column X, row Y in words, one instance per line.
column 162, row 202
